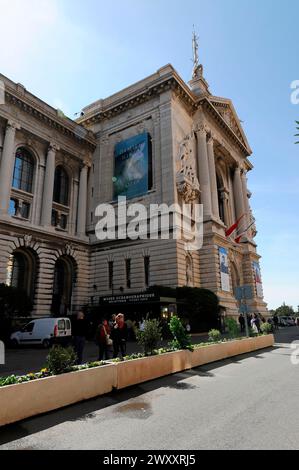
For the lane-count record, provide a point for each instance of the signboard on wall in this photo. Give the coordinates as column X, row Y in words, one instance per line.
column 258, row 279
column 132, row 166
column 224, row 272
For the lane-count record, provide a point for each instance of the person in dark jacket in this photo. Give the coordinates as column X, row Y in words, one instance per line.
column 242, row 322
column 119, row 336
column 79, row 336
column 102, row 339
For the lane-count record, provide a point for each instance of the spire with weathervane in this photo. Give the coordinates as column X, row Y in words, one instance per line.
column 198, row 84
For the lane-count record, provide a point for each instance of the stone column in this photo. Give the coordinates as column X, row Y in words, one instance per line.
column 225, row 199
column 238, row 193
column 82, row 201
column 7, row 166
column 245, row 197
column 203, row 171
column 46, row 211
column 213, row 178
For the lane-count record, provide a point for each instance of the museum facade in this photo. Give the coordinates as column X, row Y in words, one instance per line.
column 158, row 141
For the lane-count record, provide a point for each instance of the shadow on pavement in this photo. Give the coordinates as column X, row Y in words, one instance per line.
column 85, row 410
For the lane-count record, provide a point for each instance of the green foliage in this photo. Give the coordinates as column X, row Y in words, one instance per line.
column 150, row 337
column 201, row 306
column 252, row 333
column 233, row 327
column 61, row 360
column 266, row 328
column 297, row 128
column 284, row 310
column 14, row 302
column 181, row 339
column 214, row 335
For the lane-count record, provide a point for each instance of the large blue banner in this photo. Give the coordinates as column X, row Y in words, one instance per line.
column 131, row 166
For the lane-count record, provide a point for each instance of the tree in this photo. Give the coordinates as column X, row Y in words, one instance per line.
column 297, row 135
column 13, row 303
column 285, row 310
column 201, row 306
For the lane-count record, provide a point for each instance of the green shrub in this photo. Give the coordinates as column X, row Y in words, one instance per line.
column 60, row 360
column 150, row 337
column 233, row 327
column 214, row 335
column 181, row 339
column 266, row 328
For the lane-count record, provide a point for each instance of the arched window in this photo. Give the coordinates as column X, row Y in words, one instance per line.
column 22, row 271
column 64, row 280
column 61, row 186
column 23, row 170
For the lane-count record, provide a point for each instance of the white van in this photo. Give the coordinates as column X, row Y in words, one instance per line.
column 43, row 331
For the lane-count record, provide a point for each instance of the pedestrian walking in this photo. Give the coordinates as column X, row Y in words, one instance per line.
column 119, row 336
column 276, row 321
column 242, row 323
column 253, row 323
column 79, row 336
column 103, row 340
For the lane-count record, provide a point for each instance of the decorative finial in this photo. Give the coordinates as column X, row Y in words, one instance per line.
column 197, row 67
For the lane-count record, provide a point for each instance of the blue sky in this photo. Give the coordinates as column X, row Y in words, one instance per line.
column 71, row 53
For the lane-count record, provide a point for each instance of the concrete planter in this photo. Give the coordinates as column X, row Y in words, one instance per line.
column 21, row 401
column 217, row 352
column 148, row 368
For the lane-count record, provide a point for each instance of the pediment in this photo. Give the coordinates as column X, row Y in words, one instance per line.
column 228, row 113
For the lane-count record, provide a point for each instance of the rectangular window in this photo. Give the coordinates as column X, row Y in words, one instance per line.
column 110, row 274
column 25, row 210
column 63, row 221
column 128, row 273
column 54, row 220
column 147, row 271
column 13, row 205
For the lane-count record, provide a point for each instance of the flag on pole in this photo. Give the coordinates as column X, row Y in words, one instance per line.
column 237, row 240
column 234, row 227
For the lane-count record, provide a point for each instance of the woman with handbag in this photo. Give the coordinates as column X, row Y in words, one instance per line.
column 103, row 340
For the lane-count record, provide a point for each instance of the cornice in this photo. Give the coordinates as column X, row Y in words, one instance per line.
column 19, row 97
column 170, row 82
column 135, row 97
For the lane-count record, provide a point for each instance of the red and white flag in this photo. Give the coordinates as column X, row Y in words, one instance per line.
column 234, row 227
column 238, row 239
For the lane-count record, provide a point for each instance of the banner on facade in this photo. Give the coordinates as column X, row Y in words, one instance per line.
column 258, row 279
column 224, row 273
column 132, row 175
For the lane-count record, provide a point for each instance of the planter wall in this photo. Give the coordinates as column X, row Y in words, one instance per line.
column 21, row 401
column 217, row 352
column 42, row 395
column 149, row 368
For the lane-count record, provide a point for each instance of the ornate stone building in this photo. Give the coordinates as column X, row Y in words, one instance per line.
column 54, row 172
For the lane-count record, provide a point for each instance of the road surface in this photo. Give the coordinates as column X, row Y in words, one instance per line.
column 249, row 402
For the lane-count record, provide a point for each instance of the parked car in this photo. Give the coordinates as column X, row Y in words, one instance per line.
column 282, row 322
column 288, row 321
column 43, row 331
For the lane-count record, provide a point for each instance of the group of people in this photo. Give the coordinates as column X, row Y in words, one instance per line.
column 110, row 336
column 254, row 322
